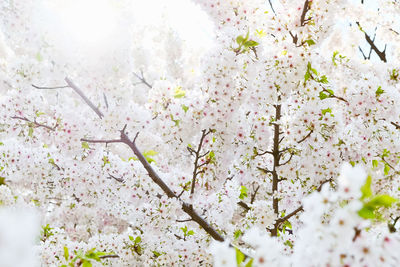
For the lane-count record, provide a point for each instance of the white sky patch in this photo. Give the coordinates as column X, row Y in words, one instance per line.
column 100, row 31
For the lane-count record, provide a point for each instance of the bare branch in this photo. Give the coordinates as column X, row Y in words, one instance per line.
column 286, row 162
column 287, row 217
column 55, row 87
column 83, row 96
column 109, row 256
column 118, row 179
column 197, row 155
column 306, row 7
column 253, row 196
column 334, row 96
column 305, row 137
column 142, row 79
column 243, row 205
column 35, row 123
column 371, row 42
column 395, row 125
column 270, row 3
column 188, row 208
column 101, row 141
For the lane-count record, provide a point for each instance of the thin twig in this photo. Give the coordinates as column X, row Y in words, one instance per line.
column 35, row 123
column 83, row 96
column 188, row 208
column 305, row 137
column 55, row 87
column 142, row 79
column 197, row 155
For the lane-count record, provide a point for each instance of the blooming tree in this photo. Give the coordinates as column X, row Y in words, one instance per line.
column 272, row 140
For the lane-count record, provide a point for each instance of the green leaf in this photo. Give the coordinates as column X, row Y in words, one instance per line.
column 323, row 79
column 179, row 93
column 2, row 180
column 247, row 36
column 310, row 42
column 156, row 253
column 66, row 253
column 185, row 108
column 85, row 145
column 250, row 43
column 138, row 239
column 131, row 238
column 239, row 257
column 191, row 232
column 39, row 57
column 330, row 91
column 314, row 71
column 148, row 155
column 322, row 95
column 379, row 91
column 237, row 234
column 307, row 76
column 366, row 213
column 366, row 188
column 38, row 113
column 386, row 169
column 243, row 192
column 374, row 163
column 334, row 57
column 327, row 110
column 239, row 39
column 30, row 132
column 382, row 201
column 86, row 264
column 249, row 263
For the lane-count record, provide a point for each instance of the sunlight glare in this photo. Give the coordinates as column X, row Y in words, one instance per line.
column 87, row 21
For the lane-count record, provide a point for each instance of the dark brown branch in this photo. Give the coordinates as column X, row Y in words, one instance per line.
column 276, row 155
column 334, row 96
column 187, row 220
column 83, row 96
column 253, row 196
column 35, row 123
column 371, row 42
column 264, row 170
column 305, row 137
column 188, row 208
column 306, row 7
column 243, row 205
column 279, row 221
column 118, row 179
column 197, row 155
column 395, row 125
column 108, row 256
column 287, row 161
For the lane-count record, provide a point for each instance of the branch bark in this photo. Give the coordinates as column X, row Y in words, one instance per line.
column 35, row 123
column 197, row 158
column 187, row 208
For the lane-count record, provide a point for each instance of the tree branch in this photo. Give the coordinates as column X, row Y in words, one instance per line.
column 197, row 157
column 35, row 123
column 305, row 137
column 306, row 7
column 187, row 208
column 142, row 79
column 83, row 96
